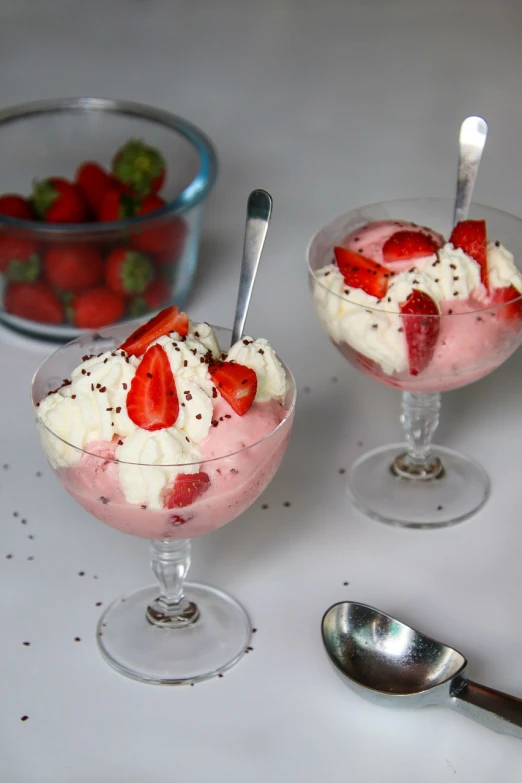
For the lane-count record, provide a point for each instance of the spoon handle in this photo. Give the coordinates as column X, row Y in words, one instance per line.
column 259, row 210
column 472, row 138
column 492, row 709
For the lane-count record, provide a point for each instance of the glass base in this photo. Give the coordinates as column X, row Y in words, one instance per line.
column 458, row 492
column 166, row 656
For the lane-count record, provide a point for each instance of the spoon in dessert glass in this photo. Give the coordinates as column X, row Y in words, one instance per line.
column 259, row 211
column 472, row 139
column 389, row 663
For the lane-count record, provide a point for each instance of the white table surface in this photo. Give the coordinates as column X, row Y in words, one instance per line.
column 327, row 105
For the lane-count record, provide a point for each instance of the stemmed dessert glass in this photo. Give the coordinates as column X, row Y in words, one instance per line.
column 173, row 632
column 419, row 484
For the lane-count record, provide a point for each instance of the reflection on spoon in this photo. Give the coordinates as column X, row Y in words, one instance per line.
column 472, row 138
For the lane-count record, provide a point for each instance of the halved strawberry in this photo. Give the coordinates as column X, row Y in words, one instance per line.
column 152, row 400
column 168, row 320
column 470, row 236
column 362, row 272
column 187, row 487
column 404, row 245
column 510, row 297
column 236, row 383
column 421, row 329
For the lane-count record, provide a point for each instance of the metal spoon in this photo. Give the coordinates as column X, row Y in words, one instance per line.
column 259, row 210
column 391, row 664
column 472, row 138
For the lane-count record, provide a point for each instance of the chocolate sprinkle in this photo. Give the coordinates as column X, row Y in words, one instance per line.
column 199, row 416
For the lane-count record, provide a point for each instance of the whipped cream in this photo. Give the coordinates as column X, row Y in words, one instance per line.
column 373, row 327
column 161, row 453
column 261, row 357
column 92, row 408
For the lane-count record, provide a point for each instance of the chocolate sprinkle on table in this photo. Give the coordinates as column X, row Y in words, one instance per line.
column 24, row 717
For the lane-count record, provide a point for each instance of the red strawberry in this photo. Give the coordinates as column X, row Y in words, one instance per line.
column 166, row 238
column 470, row 236
column 236, row 383
column 127, row 271
column 186, row 489
column 405, row 245
column 93, row 181
column 73, row 267
column 421, row 329
column 34, row 301
column 115, row 206
column 168, row 320
column 19, row 257
column 56, row 200
column 512, row 311
column 156, row 294
column 16, row 206
column 96, row 308
column 139, row 167
column 361, row 272
column 152, row 400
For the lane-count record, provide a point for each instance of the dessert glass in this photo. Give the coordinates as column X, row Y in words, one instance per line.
column 173, row 632
column 418, row 484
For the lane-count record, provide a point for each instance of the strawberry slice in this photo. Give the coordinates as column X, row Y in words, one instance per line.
column 236, row 383
column 405, row 245
column 168, row 320
column 187, row 487
column 470, row 236
column 152, row 400
column 421, row 332
column 362, row 272
column 510, row 297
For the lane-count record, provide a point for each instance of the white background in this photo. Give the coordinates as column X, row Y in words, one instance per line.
column 327, row 105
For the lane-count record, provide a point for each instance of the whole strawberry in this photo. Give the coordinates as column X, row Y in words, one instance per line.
column 139, row 167
column 165, row 238
column 127, row 271
column 13, row 205
column 73, row 267
column 55, row 200
column 155, row 295
column 19, row 258
column 94, row 182
column 34, row 301
column 96, row 308
column 115, row 205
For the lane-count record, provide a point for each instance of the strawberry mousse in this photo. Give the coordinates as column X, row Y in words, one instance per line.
column 417, row 312
column 166, row 436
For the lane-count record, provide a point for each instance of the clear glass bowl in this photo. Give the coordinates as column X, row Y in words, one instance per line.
column 52, row 138
column 417, row 484
column 178, row 632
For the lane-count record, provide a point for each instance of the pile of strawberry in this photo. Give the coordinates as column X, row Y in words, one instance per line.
column 93, row 282
column 421, row 329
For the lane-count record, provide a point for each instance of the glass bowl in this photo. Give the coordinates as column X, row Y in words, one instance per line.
column 173, row 632
column 51, row 139
column 417, row 484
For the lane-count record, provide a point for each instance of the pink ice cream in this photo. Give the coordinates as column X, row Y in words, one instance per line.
column 224, row 466
column 476, row 334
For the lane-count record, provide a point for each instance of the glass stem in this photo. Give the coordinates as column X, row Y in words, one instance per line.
column 170, row 561
column 419, row 418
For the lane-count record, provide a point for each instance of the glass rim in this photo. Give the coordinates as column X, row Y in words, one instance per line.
column 344, row 298
column 288, row 413
column 192, row 194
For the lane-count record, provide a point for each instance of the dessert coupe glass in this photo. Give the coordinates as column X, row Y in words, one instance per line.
column 173, row 632
column 418, row 484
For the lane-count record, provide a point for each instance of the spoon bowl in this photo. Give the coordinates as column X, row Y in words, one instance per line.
column 393, row 665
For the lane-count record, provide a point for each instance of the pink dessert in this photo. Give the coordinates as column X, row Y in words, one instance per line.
column 419, row 313
column 167, row 437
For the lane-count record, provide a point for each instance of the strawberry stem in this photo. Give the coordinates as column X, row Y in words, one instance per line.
column 419, row 418
column 170, row 561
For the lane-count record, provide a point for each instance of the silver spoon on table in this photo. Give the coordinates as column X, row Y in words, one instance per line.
column 472, row 138
column 259, row 210
column 391, row 664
